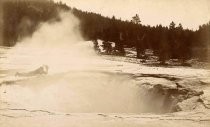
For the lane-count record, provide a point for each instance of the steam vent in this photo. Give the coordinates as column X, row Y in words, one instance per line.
column 63, row 63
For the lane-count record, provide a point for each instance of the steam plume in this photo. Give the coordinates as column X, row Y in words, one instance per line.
column 57, row 44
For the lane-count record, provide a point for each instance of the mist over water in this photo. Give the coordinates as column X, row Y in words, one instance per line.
column 78, row 92
column 73, row 83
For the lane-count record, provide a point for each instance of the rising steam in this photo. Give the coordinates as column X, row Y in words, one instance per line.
column 60, row 46
column 57, row 44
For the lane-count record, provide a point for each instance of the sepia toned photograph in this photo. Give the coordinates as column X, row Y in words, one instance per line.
column 104, row 63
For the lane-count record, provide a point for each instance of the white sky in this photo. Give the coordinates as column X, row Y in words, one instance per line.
column 191, row 13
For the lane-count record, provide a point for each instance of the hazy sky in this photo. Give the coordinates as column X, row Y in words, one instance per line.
column 191, row 13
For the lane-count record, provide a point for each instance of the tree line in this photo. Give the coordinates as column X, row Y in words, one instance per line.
column 168, row 42
column 22, row 17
